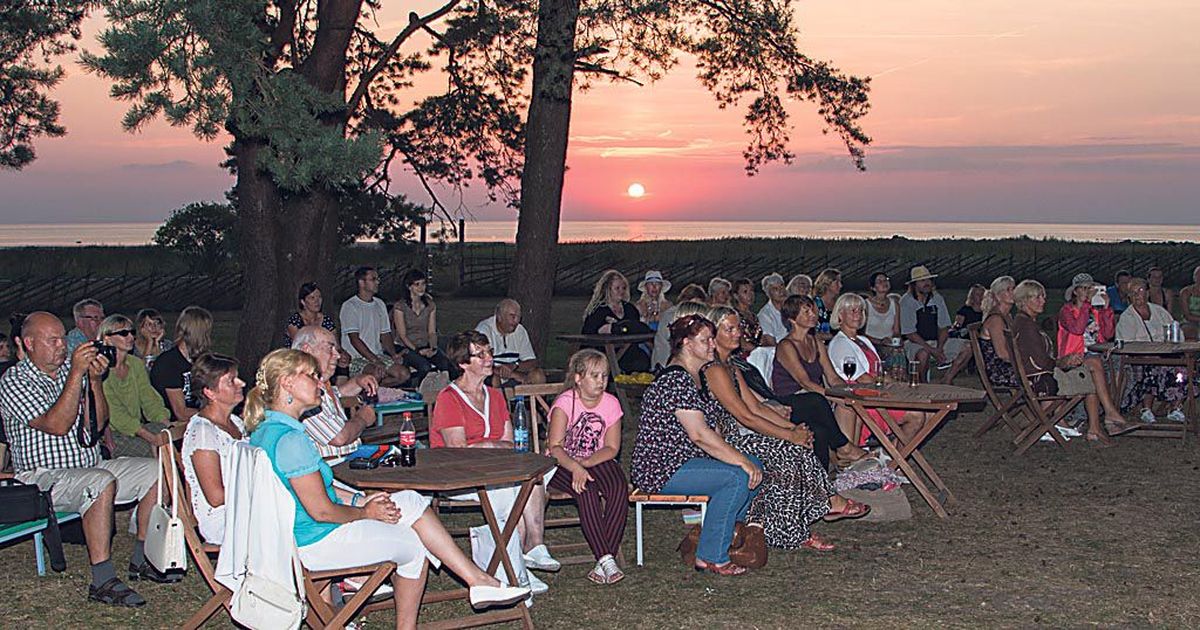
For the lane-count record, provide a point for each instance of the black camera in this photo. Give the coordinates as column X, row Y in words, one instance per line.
column 106, row 350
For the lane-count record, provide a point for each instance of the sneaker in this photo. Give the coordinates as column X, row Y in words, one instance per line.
column 1177, row 415
column 536, row 586
column 1148, row 416
column 539, row 558
column 485, row 596
column 597, row 575
column 1068, row 432
column 614, row 572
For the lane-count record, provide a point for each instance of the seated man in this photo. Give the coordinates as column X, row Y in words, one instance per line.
column 334, row 434
column 515, row 362
column 42, row 405
column 88, row 314
column 925, row 323
column 367, row 333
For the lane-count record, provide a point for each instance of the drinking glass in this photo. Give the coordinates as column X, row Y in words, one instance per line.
column 914, row 368
column 849, row 368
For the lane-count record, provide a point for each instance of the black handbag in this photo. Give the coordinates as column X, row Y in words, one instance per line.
column 22, row 502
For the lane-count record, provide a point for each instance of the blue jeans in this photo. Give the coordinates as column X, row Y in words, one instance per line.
column 729, row 496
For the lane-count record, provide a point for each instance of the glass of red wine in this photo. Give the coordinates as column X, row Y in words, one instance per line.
column 849, row 368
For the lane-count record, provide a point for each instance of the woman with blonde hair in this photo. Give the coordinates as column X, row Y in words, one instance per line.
column 135, row 411
column 800, row 284
column 585, row 437
column 170, row 373
column 610, row 312
column 653, row 301
column 826, row 288
column 997, row 304
column 335, row 529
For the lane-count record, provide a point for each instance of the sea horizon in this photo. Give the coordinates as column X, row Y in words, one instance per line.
column 132, row 233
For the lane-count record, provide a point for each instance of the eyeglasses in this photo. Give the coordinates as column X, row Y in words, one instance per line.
column 486, row 352
column 94, row 318
column 120, row 333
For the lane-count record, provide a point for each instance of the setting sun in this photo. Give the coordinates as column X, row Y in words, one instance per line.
column 636, row 190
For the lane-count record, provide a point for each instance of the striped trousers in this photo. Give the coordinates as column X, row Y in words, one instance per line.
column 603, row 505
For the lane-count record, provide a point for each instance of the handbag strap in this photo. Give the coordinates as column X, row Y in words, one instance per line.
column 170, row 451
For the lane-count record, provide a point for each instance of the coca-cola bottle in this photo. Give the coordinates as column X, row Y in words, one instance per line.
column 408, row 442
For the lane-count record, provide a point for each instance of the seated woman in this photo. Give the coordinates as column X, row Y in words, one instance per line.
column 151, row 330
column 1155, row 291
column 653, row 302
column 997, row 356
column 826, row 288
column 471, row 414
column 585, row 437
column 169, row 374
column 883, row 312
column 692, row 293
column 309, row 313
column 1048, row 373
column 848, row 348
column 414, row 318
column 677, row 450
column 796, row 490
column 610, row 312
column 337, row 529
column 970, row 313
column 800, row 284
column 720, row 292
column 799, row 377
column 1144, row 321
column 1082, row 323
column 1189, row 306
column 743, row 303
column 209, row 440
column 135, row 411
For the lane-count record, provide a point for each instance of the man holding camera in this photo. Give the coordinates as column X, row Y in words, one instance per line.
column 54, row 411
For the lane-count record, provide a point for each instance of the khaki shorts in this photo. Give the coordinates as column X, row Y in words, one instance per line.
column 953, row 347
column 358, row 363
column 75, row 489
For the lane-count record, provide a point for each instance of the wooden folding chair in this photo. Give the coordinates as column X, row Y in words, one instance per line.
column 539, row 398
column 1006, row 400
column 1043, row 412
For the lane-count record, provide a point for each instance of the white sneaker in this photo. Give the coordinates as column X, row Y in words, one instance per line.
column 352, row 585
column 611, row 570
column 539, row 558
column 1148, row 416
column 1067, row 432
column 1177, row 415
column 536, row 586
column 485, row 596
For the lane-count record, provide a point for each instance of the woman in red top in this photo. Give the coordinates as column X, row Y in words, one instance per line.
column 1082, row 323
column 470, row 414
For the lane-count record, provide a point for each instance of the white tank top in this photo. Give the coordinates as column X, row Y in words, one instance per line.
column 880, row 325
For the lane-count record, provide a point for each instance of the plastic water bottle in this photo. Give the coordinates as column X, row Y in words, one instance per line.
column 521, row 426
column 408, row 442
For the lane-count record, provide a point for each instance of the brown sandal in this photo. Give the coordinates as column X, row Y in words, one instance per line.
column 727, row 570
column 853, row 509
column 817, row 543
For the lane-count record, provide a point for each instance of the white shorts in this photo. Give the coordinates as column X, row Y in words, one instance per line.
column 953, row 347
column 76, row 489
column 369, row 541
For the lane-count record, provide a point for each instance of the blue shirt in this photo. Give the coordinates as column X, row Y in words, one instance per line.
column 1114, row 300
column 75, row 338
column 292, row 455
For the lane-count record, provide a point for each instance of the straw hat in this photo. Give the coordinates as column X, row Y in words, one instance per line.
column 1080, row 279
column 920, row 272
column 654, row 276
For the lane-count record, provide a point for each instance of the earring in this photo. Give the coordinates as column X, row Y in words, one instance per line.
column 289, row 400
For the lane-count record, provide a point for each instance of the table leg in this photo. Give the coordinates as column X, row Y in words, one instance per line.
column 899, row 458
column 500, row 555
column 615, row 370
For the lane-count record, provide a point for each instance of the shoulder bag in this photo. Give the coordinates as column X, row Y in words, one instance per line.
column 164, row 537
column 23, row 502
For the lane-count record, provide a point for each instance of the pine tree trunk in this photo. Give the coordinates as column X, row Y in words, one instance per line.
column 547, row 129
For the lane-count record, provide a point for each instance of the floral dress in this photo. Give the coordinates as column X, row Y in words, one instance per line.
column 795, row 488
column 999, row 371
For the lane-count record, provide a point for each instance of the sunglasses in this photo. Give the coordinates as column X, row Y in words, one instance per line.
column 120, row 333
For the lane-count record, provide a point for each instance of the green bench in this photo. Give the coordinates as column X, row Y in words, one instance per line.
column 21, row 530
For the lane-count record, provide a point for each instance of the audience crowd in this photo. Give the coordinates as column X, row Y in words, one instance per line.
column 739, row 409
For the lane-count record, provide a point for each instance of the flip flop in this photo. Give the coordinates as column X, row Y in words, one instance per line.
column 1096, row 441
column 1120, row 426
column 852, row 509
column 817, row 544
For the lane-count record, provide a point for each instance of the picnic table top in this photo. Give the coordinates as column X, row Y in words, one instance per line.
column 903, row 392
column 444, row 469
column 1147, row 347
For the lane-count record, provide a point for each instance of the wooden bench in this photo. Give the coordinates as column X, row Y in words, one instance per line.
column 639, row 499
column 15, row 531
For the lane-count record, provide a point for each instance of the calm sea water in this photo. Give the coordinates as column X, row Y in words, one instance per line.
column 14, row 235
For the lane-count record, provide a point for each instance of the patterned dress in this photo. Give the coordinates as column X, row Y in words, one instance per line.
column 999, row 371
column 795, row 488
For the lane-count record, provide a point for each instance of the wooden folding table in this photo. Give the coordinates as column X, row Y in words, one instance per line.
column 936, row 400
column 456, row 469
column 1155, row 353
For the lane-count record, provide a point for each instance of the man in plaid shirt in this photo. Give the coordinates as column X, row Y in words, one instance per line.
column 43, row 405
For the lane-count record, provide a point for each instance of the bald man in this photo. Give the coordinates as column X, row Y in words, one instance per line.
column 514, row 361
column 44, row 412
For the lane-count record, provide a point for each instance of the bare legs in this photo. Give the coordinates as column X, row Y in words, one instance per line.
column 1100, row 378
column 533, row 519
column 437, row 540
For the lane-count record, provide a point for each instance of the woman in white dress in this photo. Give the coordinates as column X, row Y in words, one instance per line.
column 209, row 439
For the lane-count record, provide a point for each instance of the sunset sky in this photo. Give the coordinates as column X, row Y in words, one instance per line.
column 1014, row 110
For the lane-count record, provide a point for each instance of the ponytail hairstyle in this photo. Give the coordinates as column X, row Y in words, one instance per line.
column 717, row 313
column 580, row 362
column 999, row 285
column 274, row 367
column 686, row 327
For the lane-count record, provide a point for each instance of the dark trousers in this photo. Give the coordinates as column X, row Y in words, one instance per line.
column 603, row 505
column 422, row 365
column 814, row 411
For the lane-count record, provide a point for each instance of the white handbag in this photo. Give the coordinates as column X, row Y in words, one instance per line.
column 164, row 538
column 264, row 603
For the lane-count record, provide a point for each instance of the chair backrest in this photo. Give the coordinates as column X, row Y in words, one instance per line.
column 984, row 377
column 1019, row 361
column 539, row 398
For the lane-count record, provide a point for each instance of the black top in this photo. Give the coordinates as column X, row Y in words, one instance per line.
column 969, row 315
column 602, row 314
column 171, row 370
